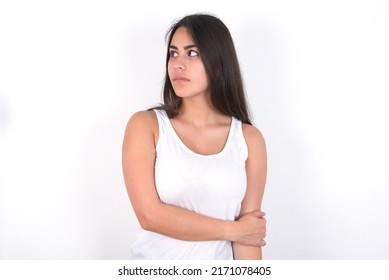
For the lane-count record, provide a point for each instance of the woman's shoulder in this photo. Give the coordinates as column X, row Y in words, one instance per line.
column 253, row 136
column 144, row 117
column 250, row 131
column 143, row 122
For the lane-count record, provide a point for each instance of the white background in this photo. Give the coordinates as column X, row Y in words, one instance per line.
column 73, row 72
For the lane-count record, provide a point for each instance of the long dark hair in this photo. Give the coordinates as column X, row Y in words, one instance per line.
column 218, row 54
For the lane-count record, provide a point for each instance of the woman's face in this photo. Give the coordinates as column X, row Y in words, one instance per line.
column 185, row 67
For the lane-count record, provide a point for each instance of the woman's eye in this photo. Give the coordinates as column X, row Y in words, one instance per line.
column 173, row 54
column 192, row 53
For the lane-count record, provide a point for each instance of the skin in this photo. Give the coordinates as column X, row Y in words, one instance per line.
column 204, row 130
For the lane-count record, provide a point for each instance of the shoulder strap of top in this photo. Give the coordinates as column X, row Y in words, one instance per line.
column 162, row 118
column 241, row 139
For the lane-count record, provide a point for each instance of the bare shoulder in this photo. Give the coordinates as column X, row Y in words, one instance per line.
column 252, row 135
column 144, row 120
column 143, row 117
column 142, row 124
column 255, row 143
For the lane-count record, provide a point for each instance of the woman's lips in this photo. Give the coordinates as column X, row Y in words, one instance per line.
column 180, row 79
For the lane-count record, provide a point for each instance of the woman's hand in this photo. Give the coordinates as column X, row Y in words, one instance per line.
column 252, row 229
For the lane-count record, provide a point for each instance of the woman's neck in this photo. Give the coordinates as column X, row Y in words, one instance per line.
column 199, row 112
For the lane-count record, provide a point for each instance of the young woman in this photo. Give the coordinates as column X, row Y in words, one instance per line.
column 195, row 168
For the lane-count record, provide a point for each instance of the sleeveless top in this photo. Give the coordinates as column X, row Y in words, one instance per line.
column 211, row 185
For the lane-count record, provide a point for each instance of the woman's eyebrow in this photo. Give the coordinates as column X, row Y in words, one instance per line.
column 185, row 48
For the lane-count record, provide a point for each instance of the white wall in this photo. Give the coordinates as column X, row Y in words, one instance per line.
column 72, row 73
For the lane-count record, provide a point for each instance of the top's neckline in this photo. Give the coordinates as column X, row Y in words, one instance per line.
column 178, row 139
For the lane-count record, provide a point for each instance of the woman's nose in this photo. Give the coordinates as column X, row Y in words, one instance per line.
column 179, row 64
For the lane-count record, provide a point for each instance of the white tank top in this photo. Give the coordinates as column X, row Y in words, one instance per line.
column 212, row 185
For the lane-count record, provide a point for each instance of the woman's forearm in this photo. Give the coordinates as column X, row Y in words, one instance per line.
column 187, row 225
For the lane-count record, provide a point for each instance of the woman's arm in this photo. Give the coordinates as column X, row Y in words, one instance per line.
column 138, row 168
column 256, row 168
